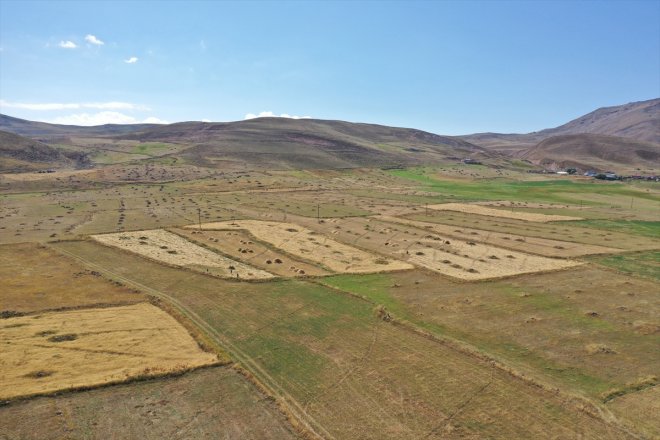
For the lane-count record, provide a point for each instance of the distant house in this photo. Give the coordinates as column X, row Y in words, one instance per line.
column 607, row 176
column 563, row 173
column 469, row 161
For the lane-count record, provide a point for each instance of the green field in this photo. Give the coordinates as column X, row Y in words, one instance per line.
column 551, row 190
column 646, row 264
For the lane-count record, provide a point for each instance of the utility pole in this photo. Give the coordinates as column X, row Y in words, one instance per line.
column 199, row 217
column 318, row 212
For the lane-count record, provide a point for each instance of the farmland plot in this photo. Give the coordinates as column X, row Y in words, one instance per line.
column 311, row 246
column 79, row 348
column 492, row 212
column 172, row 249
column 534, row 245
column 562, row 231
column 354, row 375
column 36, row 278
column 213, row 403
column 465, row 260
column 239, row 244
column 474, row 261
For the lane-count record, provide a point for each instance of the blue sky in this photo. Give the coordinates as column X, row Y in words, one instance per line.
column 445, row 67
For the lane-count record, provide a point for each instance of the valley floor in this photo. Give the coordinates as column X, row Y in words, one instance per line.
column 417, row 303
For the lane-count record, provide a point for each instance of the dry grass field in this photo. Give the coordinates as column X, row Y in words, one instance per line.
column 533, row 245
column 353, row 373
column 492, row 212
column 531, row 329
column 311, row 246
column 169, row 248
column 213, row 402
column 55, row 351
column 570, row 232
column 35, row 277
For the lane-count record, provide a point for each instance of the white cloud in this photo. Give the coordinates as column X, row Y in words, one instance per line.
column 202, row 45
column 154, row 120
column 131, row 60
column 67, row 44
column 112, row 105
column 93, row 40
column 101, row 118
column 273, row 115
column 206, row 120
column 94, row 119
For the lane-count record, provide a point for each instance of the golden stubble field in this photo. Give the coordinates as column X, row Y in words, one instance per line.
column 311, row 246
column 242, row 246
column 169, row 248
column 458, row 258
column 65, row 350
column 493, row 212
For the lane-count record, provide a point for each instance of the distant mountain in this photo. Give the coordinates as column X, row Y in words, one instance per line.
column 18, row 153
column 42, row 129
column 637, row 120
column 594, row 151
column 308, row 143
column 274, row 142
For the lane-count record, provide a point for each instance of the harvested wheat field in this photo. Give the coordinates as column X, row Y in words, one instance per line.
column 475, row 261
column 169, row 248
column 81, row 348
column 239, row 244
column 312, row 246
column 492, row 212
column 535, row 245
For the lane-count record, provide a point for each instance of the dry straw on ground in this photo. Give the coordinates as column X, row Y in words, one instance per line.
column 534, row 245
column 313, row 246
column 88, row 347
column 475, row 261
column 172, row 249
column 492, row 212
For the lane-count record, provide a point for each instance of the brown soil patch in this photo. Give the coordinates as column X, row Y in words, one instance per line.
column 210, row 403
column 312, row 246
column 172, row 249
column 492, row 212
column 96, row 346
column 35, row 277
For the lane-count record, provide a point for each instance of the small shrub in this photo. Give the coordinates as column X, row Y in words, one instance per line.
column 39, row 374
column 64, row 337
